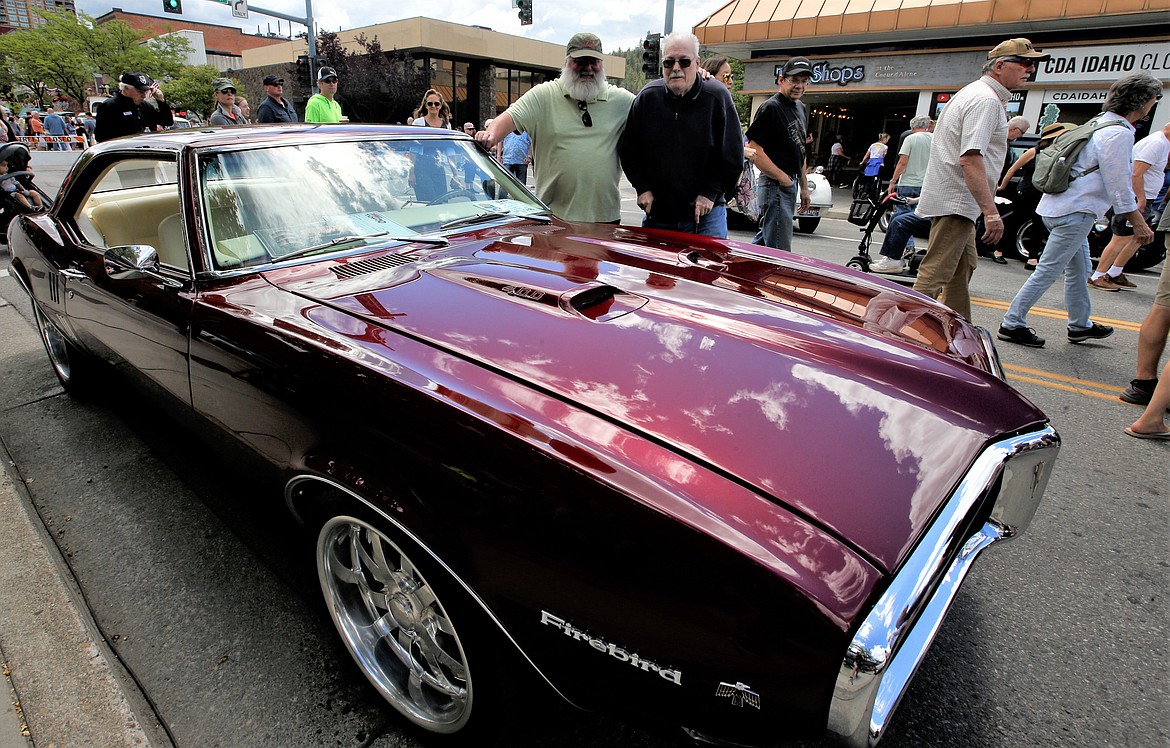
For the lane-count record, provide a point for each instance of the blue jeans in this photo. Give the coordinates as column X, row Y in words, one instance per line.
column 777, row 204
column 903, row 226
column 713, row 224
column 520, row 171
column 1067, row 252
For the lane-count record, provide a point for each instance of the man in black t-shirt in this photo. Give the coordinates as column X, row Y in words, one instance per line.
column 776, row 146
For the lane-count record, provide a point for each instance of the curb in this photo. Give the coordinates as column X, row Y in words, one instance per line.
column 63, row 685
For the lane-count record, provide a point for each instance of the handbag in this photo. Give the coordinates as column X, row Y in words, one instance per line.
column 745, row 193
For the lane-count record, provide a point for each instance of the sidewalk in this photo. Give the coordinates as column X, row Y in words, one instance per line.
column 59, row 686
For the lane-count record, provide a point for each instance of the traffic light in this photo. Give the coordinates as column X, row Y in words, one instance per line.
column 525, row 13
column 652, row 56
column 173, row 6
column 304, row 78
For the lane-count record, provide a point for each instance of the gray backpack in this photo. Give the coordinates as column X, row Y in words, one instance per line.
column 1054, row 163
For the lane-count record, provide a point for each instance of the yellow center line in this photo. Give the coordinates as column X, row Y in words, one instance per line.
column 1065, row 387
column 1040, row 311
column 1085, row 383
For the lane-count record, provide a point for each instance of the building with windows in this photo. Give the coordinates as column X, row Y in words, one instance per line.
column 219, row 46
column 477, row 70
column 18, row 14
column 878, row 63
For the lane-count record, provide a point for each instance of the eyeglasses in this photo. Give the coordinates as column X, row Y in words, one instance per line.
column 434, row 103
column 683, row 62
column 1022, row 61
column 329, row 80
column 726, row 77
column 585, row 62
column 227, row 90
column 585, row 118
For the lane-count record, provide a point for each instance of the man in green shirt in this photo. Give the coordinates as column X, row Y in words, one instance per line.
column 576, row 122
column 323, row 107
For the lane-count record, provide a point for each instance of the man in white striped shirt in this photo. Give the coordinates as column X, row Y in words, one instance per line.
column 966, row 154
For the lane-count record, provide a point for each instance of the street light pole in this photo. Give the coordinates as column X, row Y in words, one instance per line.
column 307, row 22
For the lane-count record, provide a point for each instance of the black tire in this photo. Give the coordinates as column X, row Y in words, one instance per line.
column 1148, row 255
column 858, row 263
column 75, row 370
column 1030, row 239
column 808, row 225
column 435, row 660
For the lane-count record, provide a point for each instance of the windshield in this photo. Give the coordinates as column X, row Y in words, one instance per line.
column 264, row 204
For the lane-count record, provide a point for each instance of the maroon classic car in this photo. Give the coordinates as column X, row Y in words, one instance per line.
column 730, row 489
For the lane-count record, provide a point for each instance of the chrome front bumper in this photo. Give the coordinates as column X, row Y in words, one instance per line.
column 894, row 638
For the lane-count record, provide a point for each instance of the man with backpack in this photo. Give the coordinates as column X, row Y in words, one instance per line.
column 966, row 155
column 1082, row 174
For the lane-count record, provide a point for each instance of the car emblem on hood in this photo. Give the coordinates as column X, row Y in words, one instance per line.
column 739, row 693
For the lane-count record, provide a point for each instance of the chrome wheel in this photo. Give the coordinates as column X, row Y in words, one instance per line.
column 55, row 345
column 394, row 625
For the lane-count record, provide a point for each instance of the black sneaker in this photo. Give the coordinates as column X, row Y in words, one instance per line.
column 1096, row 332
column 1021, row 336
column 1139, row 391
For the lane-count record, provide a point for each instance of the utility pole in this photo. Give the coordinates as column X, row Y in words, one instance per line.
column 668, row 27
column 307, row 22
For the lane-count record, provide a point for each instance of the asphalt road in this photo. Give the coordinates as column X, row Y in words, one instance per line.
column 207, row 593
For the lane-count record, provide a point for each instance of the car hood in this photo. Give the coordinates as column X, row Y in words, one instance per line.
column 843, row 397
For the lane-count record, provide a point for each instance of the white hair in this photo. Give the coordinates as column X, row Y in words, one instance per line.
column 681, row 37
column 582, row 90
column 1019, row 123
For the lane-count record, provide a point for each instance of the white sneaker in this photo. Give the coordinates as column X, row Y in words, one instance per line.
column 886, row 265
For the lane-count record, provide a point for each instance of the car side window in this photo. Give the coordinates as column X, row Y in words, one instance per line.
column 136, row 201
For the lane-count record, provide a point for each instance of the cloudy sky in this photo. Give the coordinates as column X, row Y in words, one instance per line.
column 619, row 23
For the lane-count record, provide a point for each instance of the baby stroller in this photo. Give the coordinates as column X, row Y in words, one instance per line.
column 867, row 212
column 18, row 157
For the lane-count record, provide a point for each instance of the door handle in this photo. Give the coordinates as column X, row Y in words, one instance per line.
column 71, row 273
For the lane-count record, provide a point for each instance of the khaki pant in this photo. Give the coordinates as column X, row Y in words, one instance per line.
column 949, row 263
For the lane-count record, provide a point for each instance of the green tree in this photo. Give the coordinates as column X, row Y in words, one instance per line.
column 192, row 89
column 376, row 86
column 743, row 102
column 635, row 78
column 67, row 51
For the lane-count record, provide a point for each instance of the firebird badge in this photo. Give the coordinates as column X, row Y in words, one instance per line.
column 739, row 693
column 613, row 650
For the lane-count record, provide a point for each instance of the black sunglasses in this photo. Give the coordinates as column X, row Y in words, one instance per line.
column 227, row 90
column 683, row 62
column 1022, row 61
column 585, row 118
column 434, row 103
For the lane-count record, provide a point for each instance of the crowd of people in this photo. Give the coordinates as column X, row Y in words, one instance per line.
column 680, row 143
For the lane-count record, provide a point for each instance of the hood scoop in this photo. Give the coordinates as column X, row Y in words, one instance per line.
column 371, row 265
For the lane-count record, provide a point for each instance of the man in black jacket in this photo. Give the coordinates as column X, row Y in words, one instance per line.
column 127, row 113
column 682, row 148
column 275, row 108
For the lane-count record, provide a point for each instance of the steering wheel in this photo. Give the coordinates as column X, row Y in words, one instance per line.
column 446, row 197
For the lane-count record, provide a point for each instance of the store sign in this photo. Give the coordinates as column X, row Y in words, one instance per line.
column 1076, row 97
column 824, row 73
column 1104, row 62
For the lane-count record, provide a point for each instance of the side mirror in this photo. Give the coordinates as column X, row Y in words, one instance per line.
column 134, row 262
